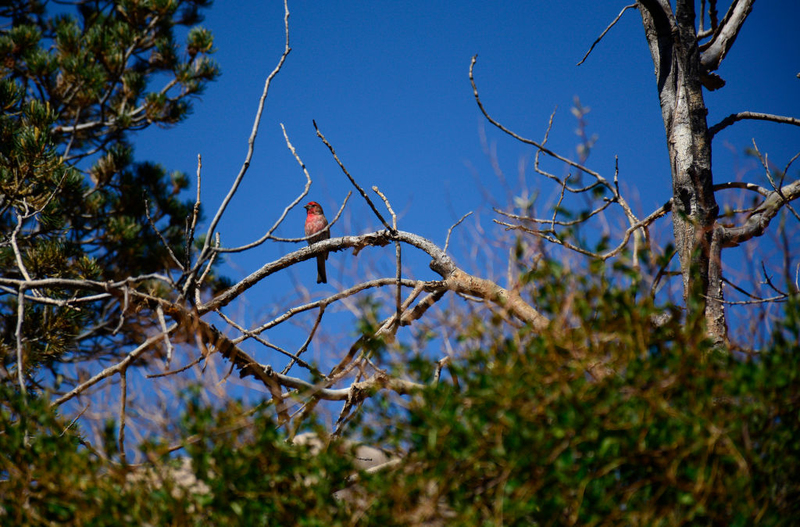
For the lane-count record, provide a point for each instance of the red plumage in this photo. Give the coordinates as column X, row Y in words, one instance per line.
column 315, row 223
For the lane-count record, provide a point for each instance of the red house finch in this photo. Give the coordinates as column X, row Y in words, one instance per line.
column 316, row 222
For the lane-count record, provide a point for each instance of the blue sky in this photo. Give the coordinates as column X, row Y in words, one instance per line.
column 387, row 83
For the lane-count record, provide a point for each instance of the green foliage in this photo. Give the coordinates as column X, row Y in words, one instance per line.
column 73, row 87
column 239, row 471
column 615, row 423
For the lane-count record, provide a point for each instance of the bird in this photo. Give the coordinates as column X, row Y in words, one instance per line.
column 316, row 222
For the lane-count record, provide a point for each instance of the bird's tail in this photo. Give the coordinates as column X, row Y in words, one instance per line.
column 322, row 277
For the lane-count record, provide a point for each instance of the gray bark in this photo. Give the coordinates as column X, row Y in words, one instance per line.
column 672, row 39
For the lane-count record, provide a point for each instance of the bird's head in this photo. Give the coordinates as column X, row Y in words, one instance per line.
column 313, row 207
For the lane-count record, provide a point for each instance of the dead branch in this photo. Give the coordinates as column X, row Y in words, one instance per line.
column 352, row 181
column 250, row 146
column 714, row 51
column 759, row 220
column 736, row 117
column 632, row 6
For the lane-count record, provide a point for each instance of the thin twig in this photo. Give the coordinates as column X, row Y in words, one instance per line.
column 249, row 334
column 786, row 170
column 251, row 141
column 75, row 420
column 777, row 188
column 632, row 6
column 195, row 216
column 352, row 181
column 163, row 322
column 179, row 370
column 288, row 208
column 304, row 238
column 307, row 342
column 123, row 386
column 324, row 302
column 398, row 253
column 450, row 230
column 161, row 236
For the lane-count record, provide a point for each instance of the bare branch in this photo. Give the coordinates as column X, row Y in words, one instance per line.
column 123, row 386
column 714, row 51
column 192, row 223
column 742, row 185
column 398, row 252
column 251, row 141
column 759, row 220
column 441, row 264
column 450, row 230
column 304, row 238
column 632, row 6
column 665, row 208
column 768, row 174
column 18, row 336
column 520, row 138
column 196, row 361
column 552, row 221
column 111, row 370
column 249, row 334
column 324, row 302
column 162, row 321
column 286, row 210
column 307, row 342
column 75, row 420
column 786, row 169
column 15, row 247
column 161, row 236
column 735, row 117
column 353, row 181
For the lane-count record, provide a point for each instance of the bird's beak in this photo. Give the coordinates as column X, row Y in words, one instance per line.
column 306, row 207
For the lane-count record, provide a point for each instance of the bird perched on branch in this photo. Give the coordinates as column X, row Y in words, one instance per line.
column 315, row 223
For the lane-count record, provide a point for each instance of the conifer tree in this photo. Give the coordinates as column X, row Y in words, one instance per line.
column 74, row 203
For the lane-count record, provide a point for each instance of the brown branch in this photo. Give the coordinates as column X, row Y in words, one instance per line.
column 518, row 137
column 509, row 300
column 288, row 208
column 441, row 263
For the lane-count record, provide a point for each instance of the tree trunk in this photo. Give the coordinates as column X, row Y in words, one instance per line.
column 673, row 46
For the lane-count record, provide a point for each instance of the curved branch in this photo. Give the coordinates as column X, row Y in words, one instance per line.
column 735, row 117
column 632, row 6
column 250, row 143
column 759, row 220
column 454, row 279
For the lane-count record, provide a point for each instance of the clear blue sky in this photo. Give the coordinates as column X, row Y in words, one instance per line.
column 387, row 82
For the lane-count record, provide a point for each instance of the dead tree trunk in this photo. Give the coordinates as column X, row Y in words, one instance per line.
column 672, row 38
